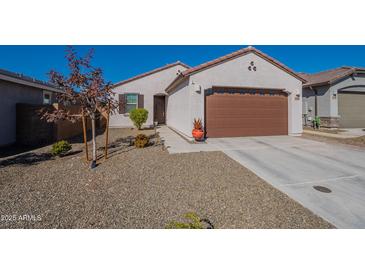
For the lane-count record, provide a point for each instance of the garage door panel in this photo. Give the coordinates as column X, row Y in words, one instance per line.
column 234, row 115
column 248, row 126
column 249, row 113
column 248, row 102
column 246, row 121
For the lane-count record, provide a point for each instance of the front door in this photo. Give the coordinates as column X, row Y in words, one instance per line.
column 159, row 109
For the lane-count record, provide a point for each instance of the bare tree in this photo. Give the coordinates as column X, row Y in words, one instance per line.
column 85, row 87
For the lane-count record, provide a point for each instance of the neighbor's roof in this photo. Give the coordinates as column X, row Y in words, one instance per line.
column 26, row 80
column 231, row 56
column 329, row 76
column 151, row 72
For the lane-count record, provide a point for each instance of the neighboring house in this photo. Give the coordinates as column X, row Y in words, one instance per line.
column 245, row 93
column 16, row 88
column 145, row 91
column 337, row 96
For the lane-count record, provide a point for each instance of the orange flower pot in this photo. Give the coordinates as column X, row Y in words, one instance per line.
column 198, row 134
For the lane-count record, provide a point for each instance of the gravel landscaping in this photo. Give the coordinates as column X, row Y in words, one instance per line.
column 325, row 130
column 140, row 188
column 357, row 141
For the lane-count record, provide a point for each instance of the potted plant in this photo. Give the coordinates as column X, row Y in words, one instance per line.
column 198, row 132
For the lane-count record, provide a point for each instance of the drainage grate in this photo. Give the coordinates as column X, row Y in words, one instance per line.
column 322, row 189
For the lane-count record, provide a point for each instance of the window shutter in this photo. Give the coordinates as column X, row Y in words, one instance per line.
column 122, row 101
column 140, row 101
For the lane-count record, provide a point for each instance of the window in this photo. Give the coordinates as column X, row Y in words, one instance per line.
column 46, row 98
column 131, row 102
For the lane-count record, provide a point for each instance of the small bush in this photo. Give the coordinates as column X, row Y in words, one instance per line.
column 138, row 116
column 141, row 140
column 317, row 122
column 60, row 148
column 194, row 222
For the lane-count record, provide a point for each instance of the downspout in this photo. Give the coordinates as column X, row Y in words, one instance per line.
column 315, row 100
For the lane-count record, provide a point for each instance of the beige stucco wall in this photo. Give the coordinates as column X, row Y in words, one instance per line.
column 148, row 86
column 178, row 108
column 235, row 73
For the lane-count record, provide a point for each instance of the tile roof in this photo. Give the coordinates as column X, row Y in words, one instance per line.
column 151, row 72
column 329, row 76
column 231, row 56
column 26, row 79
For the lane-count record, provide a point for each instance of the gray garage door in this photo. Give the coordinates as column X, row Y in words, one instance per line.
column 351, row 108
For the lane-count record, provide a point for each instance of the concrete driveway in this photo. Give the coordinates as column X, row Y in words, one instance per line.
column 295, row 165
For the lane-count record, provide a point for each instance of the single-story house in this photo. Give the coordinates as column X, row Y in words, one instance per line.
column 147, row 91
column 245, row 93
column 14, row 89
column 337, row 96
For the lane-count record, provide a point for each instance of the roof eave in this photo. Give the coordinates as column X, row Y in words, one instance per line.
column 336, row 79
column 140, row 76
column 28, row 83
column 316, row 84
column 279, row 65
column 174, row 83
column 244, row 52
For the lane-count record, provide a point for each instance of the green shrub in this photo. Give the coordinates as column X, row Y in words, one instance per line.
column 317, row 122
column 60, row 148
column 141, row 140
column 138, row 116
column 193, row 222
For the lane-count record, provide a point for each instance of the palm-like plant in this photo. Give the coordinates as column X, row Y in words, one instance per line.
column 197, row 123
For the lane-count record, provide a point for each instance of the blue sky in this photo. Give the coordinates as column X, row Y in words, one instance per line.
column 122, row 62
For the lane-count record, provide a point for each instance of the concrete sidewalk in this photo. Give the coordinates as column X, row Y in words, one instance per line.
column 356, row 132
column 349, row 133
column 177, row 144
column 326, row 134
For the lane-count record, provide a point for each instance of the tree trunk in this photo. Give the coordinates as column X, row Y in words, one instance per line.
column 93, row 164
column 107, row 132
column 84, row 125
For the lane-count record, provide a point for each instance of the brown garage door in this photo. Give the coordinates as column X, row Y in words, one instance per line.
column 351, row 109
column 244, row 112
